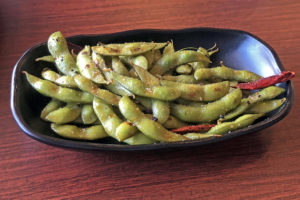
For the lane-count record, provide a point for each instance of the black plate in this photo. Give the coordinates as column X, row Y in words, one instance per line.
column 238, row 49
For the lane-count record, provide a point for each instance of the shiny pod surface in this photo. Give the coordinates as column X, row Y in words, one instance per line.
column 240, row 50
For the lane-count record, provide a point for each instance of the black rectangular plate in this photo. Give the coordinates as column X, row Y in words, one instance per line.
column 238, row 49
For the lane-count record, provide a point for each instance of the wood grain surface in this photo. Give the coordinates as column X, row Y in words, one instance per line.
column 263, row 165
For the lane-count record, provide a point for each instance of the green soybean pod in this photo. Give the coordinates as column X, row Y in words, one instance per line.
column 207, row 112
column 113, row 86
column 125, row 130
column 90, row 87
column 146, row 77
column 48, row 58
column 49, row 89
column 65, row 114
column 65, row 81
column 139, row 139
column 184, row 69
column 73, row 132
column 58, row 48
column 144, row 101
column 107, row 116
column 207, row 53
column 88, row 115
column 160, row 110
column 180, row 78
column 225, row 73
column 147, row 126
column 195, row 92
column 119, row 67
column 51, row 106
column 87, row 67
column 241, row 122
column 266, row 106
column 173, row 123
column 126, row 49
column 197, row 136
column 264, row 94
column 171, row 60
column 140, row 61
column 169, row 48
column 139, row 88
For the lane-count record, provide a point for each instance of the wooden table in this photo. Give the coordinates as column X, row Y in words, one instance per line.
column 264, row 165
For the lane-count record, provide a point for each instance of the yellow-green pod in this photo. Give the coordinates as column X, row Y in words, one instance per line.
column 184, row 69
column 51, row 106
column 73, row 132
column 139, row 139
column 88, row 115
column 125, row 130
column 65, row 81
column 65, row 114
column 266, row 106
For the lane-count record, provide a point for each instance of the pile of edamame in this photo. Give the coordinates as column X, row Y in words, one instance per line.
column 138, row 92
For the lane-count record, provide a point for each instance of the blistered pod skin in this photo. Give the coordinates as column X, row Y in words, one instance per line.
column 64, row 60
column 87, row 67
column 195, row 92
column 225, row 73
column 207, row 112
column 171, row 60
column 49, row 89
column 65, row 114
column 147, row 126
column 74, row 132
column 139, row 88
column 107, row 117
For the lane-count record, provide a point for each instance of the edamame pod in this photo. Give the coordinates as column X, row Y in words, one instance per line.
column 146, row 77
column 88, row 115
column 241, row 122
column 51, row 106
column 125, row 130
column 147, row 126
column 208, row 112
column 171, row 60
column 140, row 61
column 48, row 58
column 107, row 116
column 181, row 78
column 90, row 87
column 194, row 92
column 139, row 88
column 113, row 86
column 160, row 110
column 184, row 69
column 138, row 139
column 264, row 94
column 126, row 49
column 265, row 106
column 119, row 67
column 65, row 114
column 197, row 136
column 207, row 53
column 65, row 81
column 173, row 123
column 74, row 132
column 87, row 66
column 225, row 73
column 49, row 89
column 58, row 48
column 169, row 48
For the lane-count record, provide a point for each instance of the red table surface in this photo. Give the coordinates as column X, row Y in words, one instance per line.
column 264, row 165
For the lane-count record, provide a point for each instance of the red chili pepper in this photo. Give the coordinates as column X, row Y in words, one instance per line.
column 75, row 47
column 265, row 82
column 194, row 128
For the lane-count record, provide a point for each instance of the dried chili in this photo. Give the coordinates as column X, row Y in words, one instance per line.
column 194, row 128
column 265, row 82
